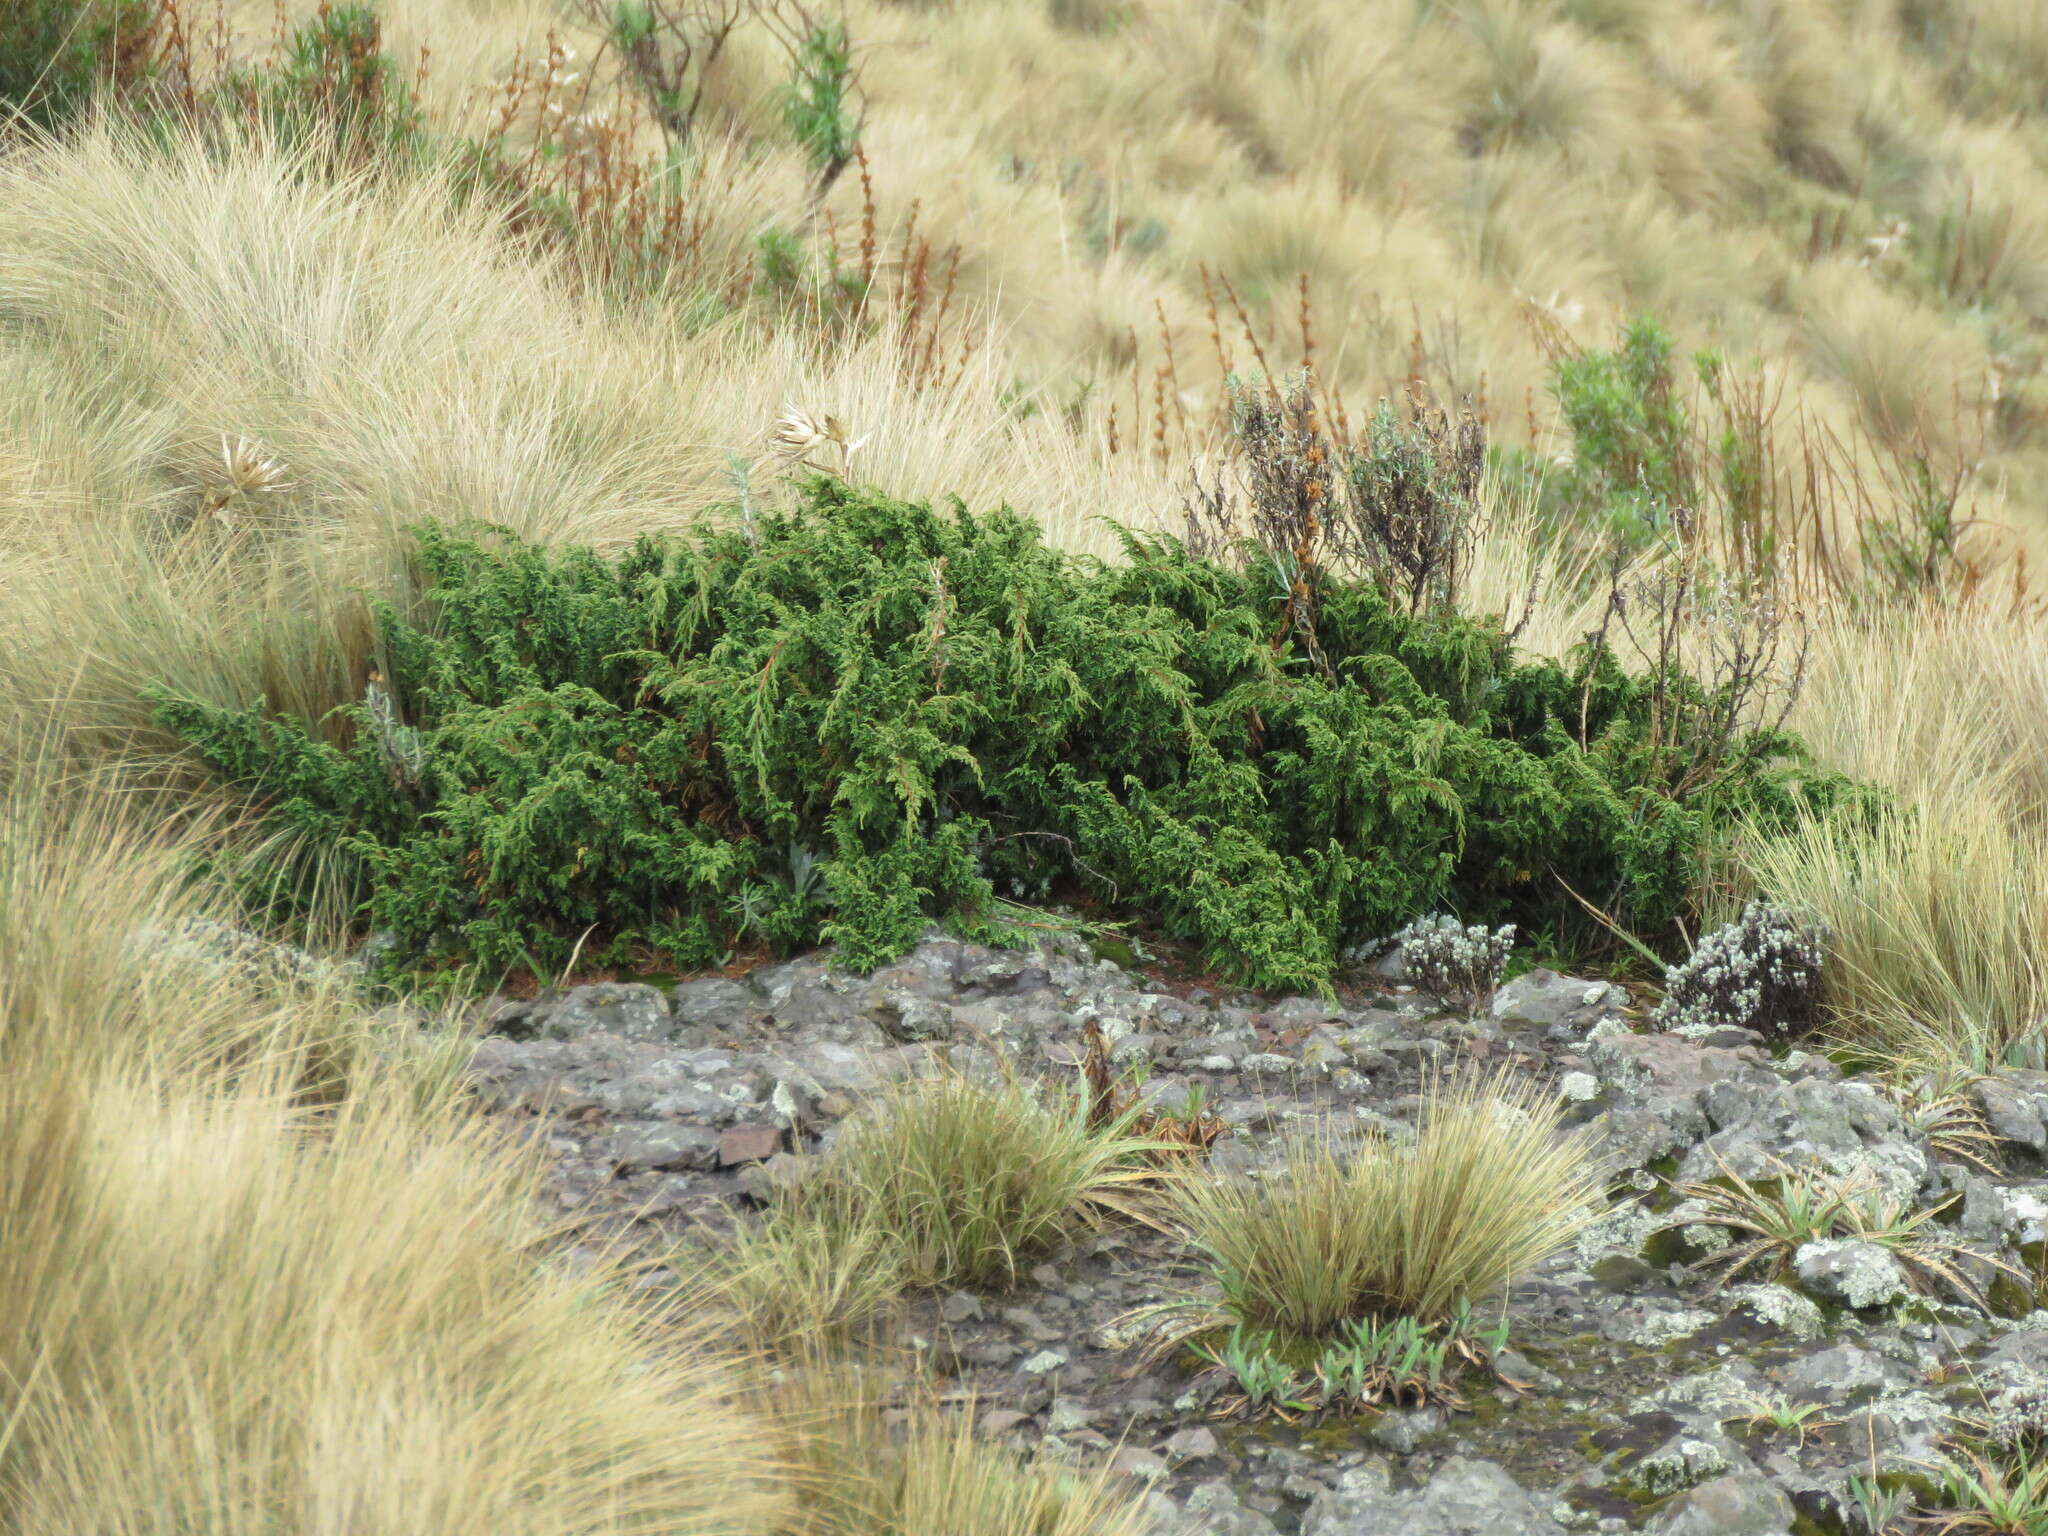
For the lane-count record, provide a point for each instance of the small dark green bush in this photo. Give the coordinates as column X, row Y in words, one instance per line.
column 818, row 104
column 840, row 723
column 54, row 54
column 337, row 89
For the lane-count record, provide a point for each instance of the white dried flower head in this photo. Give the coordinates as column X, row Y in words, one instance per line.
column 1761, row 972
column 249, row 468
column 1559, row 310
column 798, row 434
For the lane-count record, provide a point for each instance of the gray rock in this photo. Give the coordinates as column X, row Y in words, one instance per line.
column 1857, row 1274
column 2012, row 1113
column 1135, row 1462
column 1214, row 1509
column 1542, row 997
column 1465, row 1498
column 1708, row 1396
column 717, row 1005
column 2023, row 1349
column 1842, row 1128
column 626, row 1009
column 664, row 1145
column 1684, row 1460
column 1744, row 1504
column 906, row 1016
column 1835, row 1376
column 1193, row 1444
column 1670, row 1066
column 1779, row 1307
column 1902, row 1426
column 1403, row 1430
column 202, row 944
column 777, row 1178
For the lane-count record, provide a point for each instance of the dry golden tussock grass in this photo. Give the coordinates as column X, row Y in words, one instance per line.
column 1433, row 171
column 1490, row 1188
column 400, row 362
column 263, row 1274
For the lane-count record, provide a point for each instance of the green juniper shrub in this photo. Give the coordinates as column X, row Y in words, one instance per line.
column 846, row 721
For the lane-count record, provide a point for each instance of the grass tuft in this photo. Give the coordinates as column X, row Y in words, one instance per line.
column 1489, row 1189
column 972, row 1182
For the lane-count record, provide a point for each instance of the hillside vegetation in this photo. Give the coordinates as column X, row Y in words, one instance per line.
column 1575, row 463
column 1850, row 192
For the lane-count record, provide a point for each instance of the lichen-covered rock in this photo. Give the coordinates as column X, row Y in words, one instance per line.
column 1214, row 1509
column 1464, row 1498
column 1843, row 1374
column 1682, row 1461
column 1843, row 1128
column 1542, row 997
column 628, row 1010
column 1708, row 1397
column 1741, row 1504
column 225, row 950
column 664, row 1144
column 1780, row 1307
column 2015, row 1106
column 1856, row 1274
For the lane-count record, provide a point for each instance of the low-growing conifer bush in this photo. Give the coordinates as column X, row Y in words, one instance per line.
column 842, row 723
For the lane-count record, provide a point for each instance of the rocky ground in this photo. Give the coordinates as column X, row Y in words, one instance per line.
column 1645, row 1396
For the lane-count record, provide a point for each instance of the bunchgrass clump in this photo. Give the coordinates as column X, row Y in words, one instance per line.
column 1936, row 918
column 264, row 1275
column 816, row 1274
column 875, row 1465
column 958, row 1182
column 1490, row 1188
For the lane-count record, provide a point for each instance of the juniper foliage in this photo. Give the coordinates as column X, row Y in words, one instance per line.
column 850, row 719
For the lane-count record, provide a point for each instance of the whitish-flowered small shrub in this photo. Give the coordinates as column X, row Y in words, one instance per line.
column 2018, row 1420
column 1455, row 961
column 1761, row 972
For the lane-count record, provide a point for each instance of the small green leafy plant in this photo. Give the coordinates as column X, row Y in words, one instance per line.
column 818, row 105
column 1372, row 1363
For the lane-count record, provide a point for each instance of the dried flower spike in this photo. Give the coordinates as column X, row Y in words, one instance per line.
column 249, row 469
column 799, row 434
